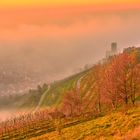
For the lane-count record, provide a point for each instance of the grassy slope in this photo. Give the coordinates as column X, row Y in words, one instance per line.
column 58, row 89
column 115, row 126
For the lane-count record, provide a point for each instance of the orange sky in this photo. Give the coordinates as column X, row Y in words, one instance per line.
column 62, row 2
column 30, row 18
column 70, row 31
column 20, row 23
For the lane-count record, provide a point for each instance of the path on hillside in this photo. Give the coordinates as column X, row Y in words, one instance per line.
column 42, row 98
column 79, row 82
column 49, row 86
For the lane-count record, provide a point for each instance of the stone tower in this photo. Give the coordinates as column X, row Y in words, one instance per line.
column 113, row 48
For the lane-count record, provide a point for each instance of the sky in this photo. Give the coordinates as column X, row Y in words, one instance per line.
column 57, row 37
column 63, row 2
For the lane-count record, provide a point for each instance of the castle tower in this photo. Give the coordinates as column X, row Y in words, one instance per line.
column 113, row 48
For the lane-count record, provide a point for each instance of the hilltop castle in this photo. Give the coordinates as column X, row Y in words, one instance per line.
column 113, row 50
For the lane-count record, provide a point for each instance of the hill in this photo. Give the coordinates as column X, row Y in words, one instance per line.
column 52, row 95
column 57, row 89
column 90, row 105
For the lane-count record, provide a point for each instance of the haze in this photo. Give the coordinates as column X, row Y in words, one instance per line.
column 48, row 44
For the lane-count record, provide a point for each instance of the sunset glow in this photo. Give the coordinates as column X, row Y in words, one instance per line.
column 15, row 3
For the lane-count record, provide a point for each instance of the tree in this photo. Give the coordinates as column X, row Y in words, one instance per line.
column 134, row 82
column 71, row 103
column 98, row 73
column 121, row 79
column 109, row 86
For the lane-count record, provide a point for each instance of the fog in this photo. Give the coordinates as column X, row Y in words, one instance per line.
column 45, row 47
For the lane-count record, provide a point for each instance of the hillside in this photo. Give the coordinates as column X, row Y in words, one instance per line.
column 90, row 82
column 57, row 89
column 112, row 126
column 115, row 126
column 99, row 103
column 52, row 97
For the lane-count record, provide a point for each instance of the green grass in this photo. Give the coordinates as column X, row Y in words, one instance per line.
column 58, row 89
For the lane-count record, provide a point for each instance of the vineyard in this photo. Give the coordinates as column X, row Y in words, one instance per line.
column 115, row 126
column 35, row 124
column 40, row 126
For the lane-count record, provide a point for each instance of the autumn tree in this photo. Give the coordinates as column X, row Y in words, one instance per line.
column 71, row 104
column 109, row 87
column 134, row 82
column 98, row 80
column 121, row 79
column 115, row 82
column 134, row 74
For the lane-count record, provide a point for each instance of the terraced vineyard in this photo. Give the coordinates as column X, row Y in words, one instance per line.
column 115, row 126
column 33, row 125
